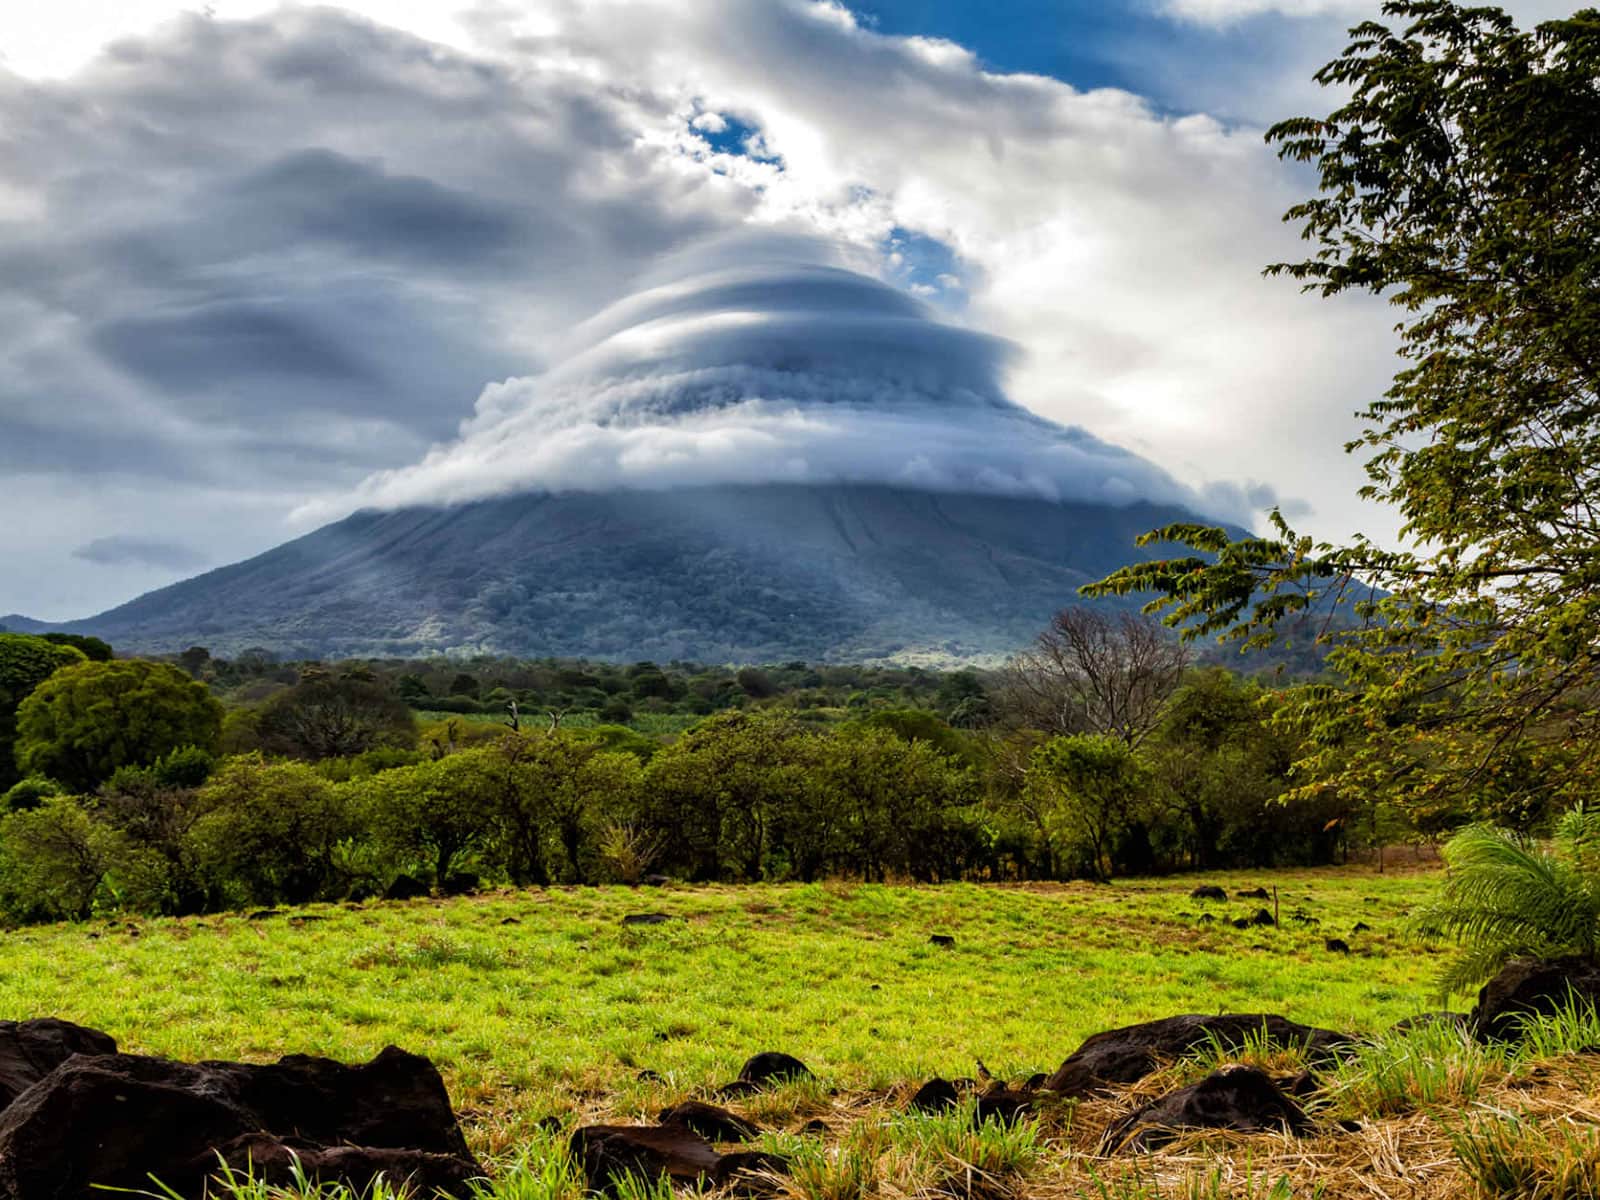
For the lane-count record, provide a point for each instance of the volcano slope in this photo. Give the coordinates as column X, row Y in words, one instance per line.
column 847, row 572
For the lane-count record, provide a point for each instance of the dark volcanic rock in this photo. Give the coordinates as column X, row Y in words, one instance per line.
column 272, row 1160
column 1255, row 893
column 405, row 887
column 1003, row 1104
column 1262, row 917
column 115, row 1120
column 649, row 918
column 1208, row 892
column 941, row 939
column 1533, row 987
column 710, row 1122
column 1238, row 1098
column 934, row 1096
column 773, row 1066
column 1336, row 945
column 744, row 1170
column 30, row 1050
column 1129, row 1054
column 649, row 1151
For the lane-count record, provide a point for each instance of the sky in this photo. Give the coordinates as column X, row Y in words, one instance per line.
column 262, row 264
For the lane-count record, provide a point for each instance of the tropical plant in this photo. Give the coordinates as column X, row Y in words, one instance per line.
column 1505, row 897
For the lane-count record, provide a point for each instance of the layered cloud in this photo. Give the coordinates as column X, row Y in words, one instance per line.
column 787, row 367
column 246, row 265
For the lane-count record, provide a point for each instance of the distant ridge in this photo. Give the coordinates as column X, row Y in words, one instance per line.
column 717, row 574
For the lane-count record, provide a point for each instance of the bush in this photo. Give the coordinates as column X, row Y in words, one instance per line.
column 25, row 663
column 324, row 716
column 58, row 863
column 271, row 831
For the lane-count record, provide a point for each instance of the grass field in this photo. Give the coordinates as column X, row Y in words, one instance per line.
column 541, row 1002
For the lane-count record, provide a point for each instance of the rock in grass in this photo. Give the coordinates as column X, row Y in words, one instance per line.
column 1126, row 1055
column 30, row 1050
column 650, row 1152
column 115, row 1120
column 1208, row 892
column 405, row 887
column 710, row 1122
column 1531, row 987
column 941, row 939
column 1336, row 945
column 773, row 1066
column 1003, row 1104
column 1255, row 893
column 1262, row 917
column 934, row 1096
column 649, row 918
column 1237, row 1098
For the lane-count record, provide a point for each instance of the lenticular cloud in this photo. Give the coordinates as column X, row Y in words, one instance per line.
column 769, row 361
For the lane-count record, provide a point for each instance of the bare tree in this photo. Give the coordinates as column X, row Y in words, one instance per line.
column 1093, row 671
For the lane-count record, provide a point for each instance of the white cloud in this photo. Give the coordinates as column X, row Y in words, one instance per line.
column 788, row 368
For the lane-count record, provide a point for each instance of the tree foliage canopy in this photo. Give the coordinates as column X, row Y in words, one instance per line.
column 1461, row 180
column 88, row 719
column 25, row 663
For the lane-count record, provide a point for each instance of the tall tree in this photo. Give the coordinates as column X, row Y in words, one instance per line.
column 1094, row 671
column 1461, row 179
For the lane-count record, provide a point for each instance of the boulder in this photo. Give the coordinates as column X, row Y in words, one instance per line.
column 115, row 1120
column 1255, row 893
column 605, row 1152
column 1336, row 945
column 405, row 887
column 1003, row 1104
column 460, row 883
column 1262, row 917
column 30, row 1050
column 773, row 1066
column 934, row 1096
column 710, row 1122
column 1533, row 987
column 272, row 1161
column 941, row 939
column 1126, row 1055
column 1236, row 1098
column 1208, row 892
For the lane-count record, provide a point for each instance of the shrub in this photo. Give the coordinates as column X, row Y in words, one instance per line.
column 58, row 863
column 271, row 831
column 29, row 793
column 1505, row 898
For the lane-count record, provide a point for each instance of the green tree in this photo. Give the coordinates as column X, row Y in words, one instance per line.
column 58, row 863
column 90, row 718
column 25, row 663
column 271, row 831
column 1090, row 784
column 1458, row 180
column 334, row 716
column 94, row 649
column 433, row 814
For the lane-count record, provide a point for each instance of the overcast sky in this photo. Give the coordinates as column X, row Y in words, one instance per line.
column 259, row 264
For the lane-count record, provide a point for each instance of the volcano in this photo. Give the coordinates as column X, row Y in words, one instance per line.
column 723, row 574
column 762, row 454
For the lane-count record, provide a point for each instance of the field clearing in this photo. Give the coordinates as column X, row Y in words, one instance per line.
column 541, row 1002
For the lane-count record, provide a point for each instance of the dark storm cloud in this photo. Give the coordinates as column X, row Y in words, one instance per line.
column 146, row 552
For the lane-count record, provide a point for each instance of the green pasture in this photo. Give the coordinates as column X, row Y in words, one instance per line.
column 537, row 1002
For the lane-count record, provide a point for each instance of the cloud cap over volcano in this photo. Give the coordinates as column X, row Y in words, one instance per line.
column 768, row 359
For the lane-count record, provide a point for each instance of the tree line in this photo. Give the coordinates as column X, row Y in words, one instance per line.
column 1103, row 750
